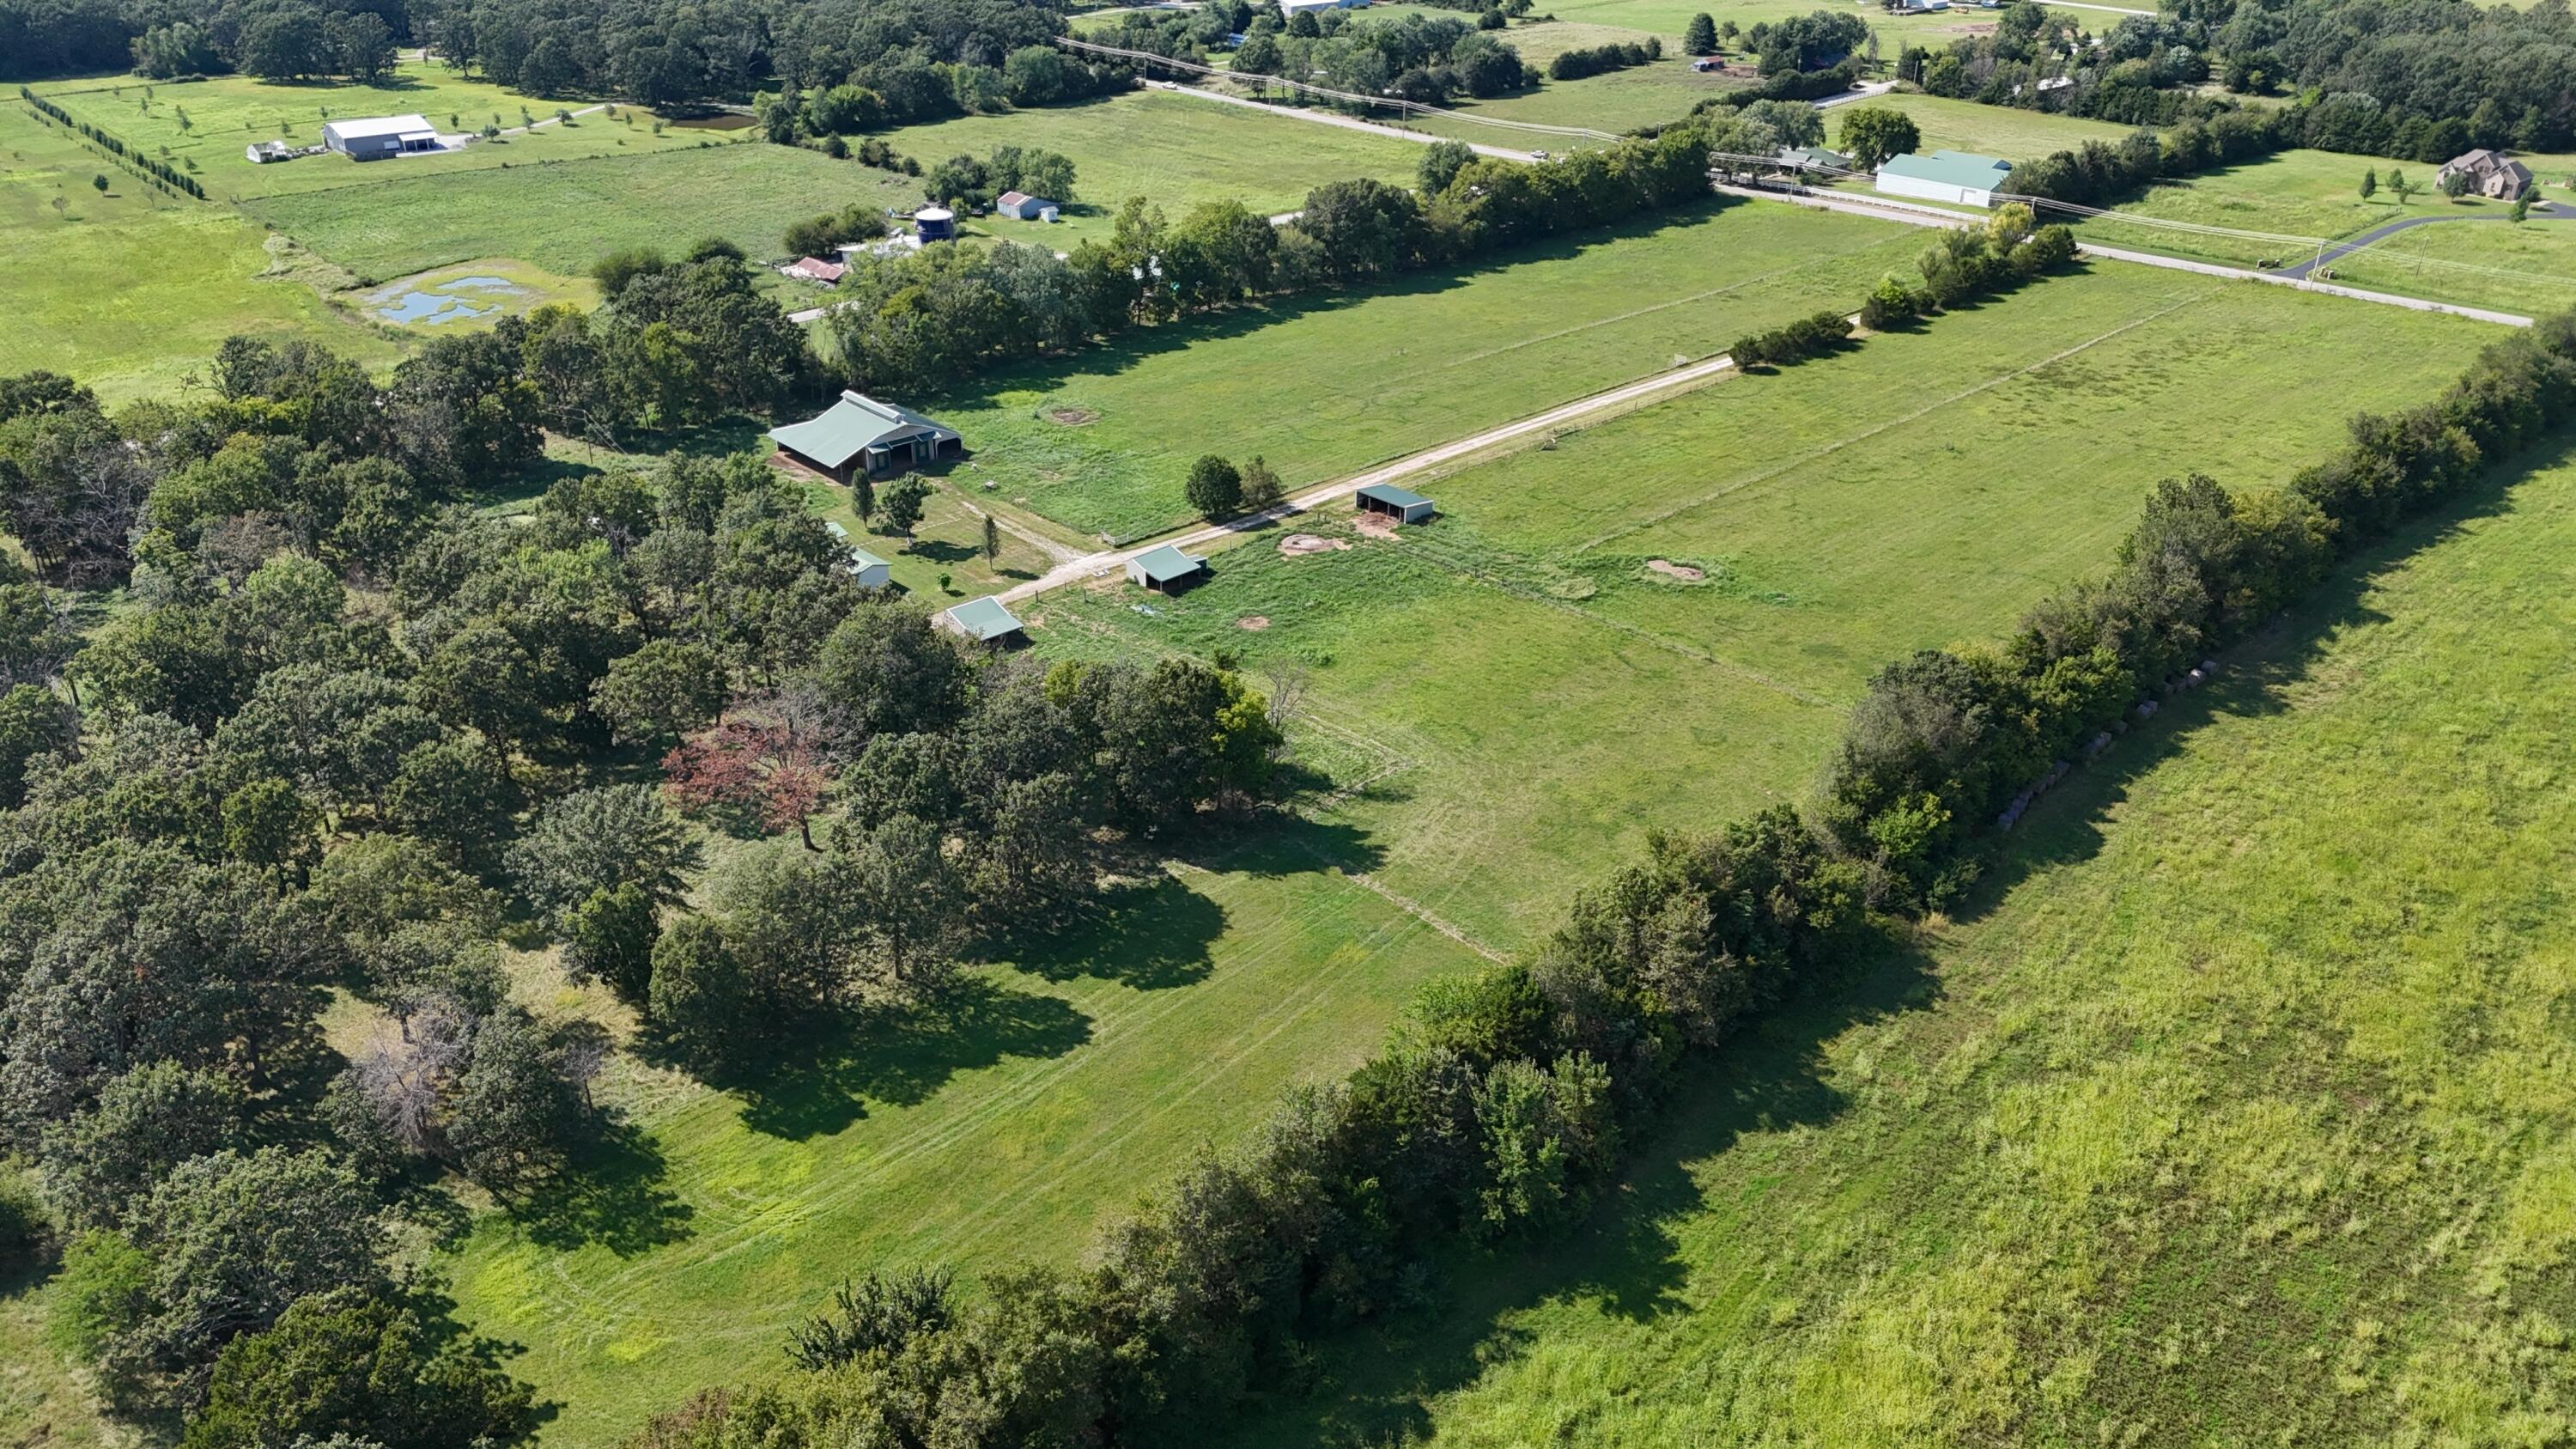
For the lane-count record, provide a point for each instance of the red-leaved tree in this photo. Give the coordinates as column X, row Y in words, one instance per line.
column 754, row 765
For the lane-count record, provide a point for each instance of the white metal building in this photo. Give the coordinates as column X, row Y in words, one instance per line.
column 1959, row 178
column 377, row 137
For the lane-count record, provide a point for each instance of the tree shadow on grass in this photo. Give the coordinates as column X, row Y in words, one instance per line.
column 1286, row 844
column 611, row 1194
column 1151, row 934
column 1626, row 1256
column 822, row 1084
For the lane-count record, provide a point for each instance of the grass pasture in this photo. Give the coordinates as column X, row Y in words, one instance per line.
column 1175, row 151
column 131, row 290
column 2233, row 1114
column 1842, row 512
column 563, row 217
column 1323, row 387
column 225, row 114
column 2530, row 268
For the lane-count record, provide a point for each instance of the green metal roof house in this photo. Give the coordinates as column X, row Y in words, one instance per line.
column 985, row 620
column 858, row 435
column 1814, row 158
column 1164, row 568
column 1402, row 505
column 1959, row 178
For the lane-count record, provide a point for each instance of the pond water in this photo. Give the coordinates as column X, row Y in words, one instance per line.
column 455, row 299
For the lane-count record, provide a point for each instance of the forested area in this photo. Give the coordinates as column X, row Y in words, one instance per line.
column 343, row 733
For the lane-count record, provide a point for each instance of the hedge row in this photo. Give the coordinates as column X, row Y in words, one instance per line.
column 159, row 173
column 1948, row 745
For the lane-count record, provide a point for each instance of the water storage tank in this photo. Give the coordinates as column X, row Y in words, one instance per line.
column 935, row 223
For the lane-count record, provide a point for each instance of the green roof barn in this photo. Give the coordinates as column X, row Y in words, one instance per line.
column 986, row 620
column 1165, row 569
column 859, row 435
column 1401, row 504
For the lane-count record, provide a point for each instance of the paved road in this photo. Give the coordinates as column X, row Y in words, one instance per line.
column 1862, row 93
column 1335, row 118
column 1580, row 411
column 1889, row 210
column 2541, row 211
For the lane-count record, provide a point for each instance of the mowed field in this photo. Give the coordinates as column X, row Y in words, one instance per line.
column 1921, row 488
column 131, row 290
column 564, row 216
column 2530, row 268
column 204, row 126
column 1175, row 151
column 2239, row 1113
column 1323, row 387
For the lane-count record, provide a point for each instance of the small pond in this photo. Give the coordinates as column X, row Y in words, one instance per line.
column 435, row 304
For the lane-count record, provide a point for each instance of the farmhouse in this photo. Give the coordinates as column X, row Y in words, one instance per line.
column 1400, row 504
column 986, row 621
column 871, row 571
column 1165, row 569
column 815, row 269
column 377, row 137
column 2491, row 174
column 1961, row 178
column 859, row 435
column 1020, row 206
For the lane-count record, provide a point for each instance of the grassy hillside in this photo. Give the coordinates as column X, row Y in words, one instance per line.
column 2235, row 1114
column 131, row 290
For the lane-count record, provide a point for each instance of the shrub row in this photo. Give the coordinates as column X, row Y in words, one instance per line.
column 1601, row 59
column 1807, row 337
column 1789, row 85
column 1948, row 739
column 2101, row 174
column 159, row 173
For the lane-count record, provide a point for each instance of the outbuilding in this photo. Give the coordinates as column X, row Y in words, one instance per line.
column 1402, row 505
column 861, row 436
column 1813, row 158
column 1165, row 569
column 986, row 621
column 871, row 571
column 815, row 269
column 1958, row 178
column 377, row 137
column 1020, row 206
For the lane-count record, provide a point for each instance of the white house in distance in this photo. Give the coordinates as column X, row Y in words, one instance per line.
column 1959, row 178
column 377, row 137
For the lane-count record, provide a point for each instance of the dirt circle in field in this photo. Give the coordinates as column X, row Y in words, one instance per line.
column 1254, row 622
column 1072, row 417
column 1669, row 569
column 1298, row 544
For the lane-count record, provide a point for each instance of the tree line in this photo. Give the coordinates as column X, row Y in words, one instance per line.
column 345, row 729
column 158, row 172
column 1496, row 1110
column 929, row 319
column 2369, row 77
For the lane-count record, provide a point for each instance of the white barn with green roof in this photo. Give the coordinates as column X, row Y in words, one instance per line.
column 860, row 435
column 1955, row 178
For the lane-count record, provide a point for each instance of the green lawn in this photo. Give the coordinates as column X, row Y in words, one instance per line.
column 2237, row 1114
column 2530, row 269
column 1175, row 151
column 2014, row 135
column 563, row 216
column 1059, row 1093
column 1325, row 386
column 225, row 114
column 131, row 290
